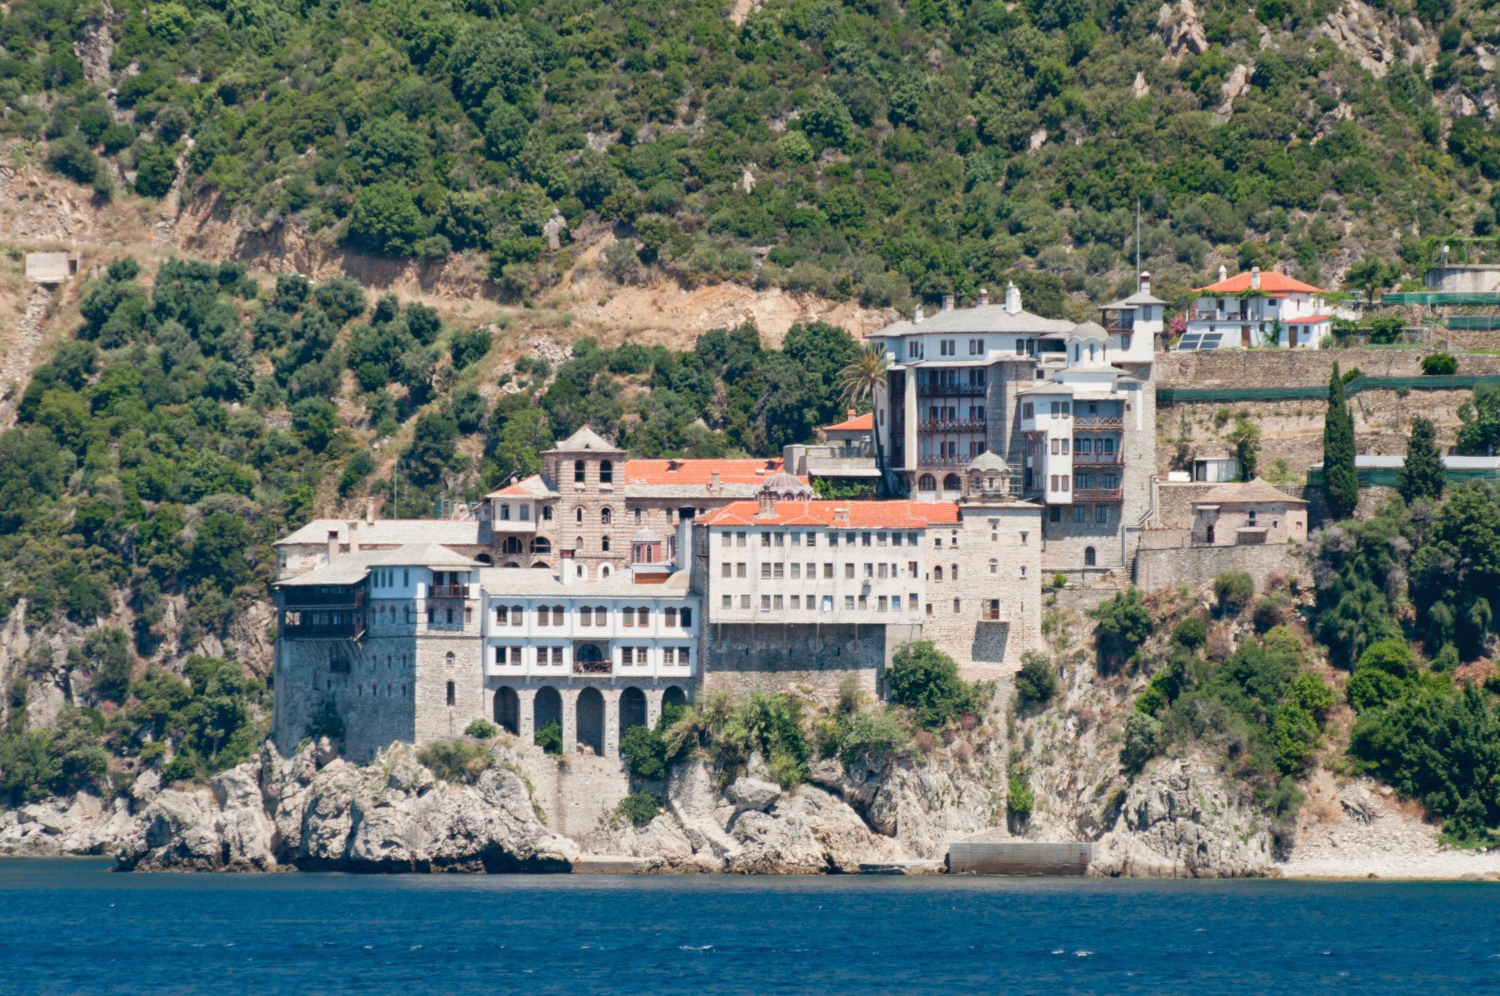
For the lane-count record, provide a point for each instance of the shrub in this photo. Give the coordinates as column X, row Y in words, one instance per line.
column 1037, row 680
column 1124, row 623
column 1142, row 732
column 1269, row 613
column 1233, row 590
column 646, row 752
column 481, row 730
column 1020, row 801
column 469, row 347
column 1439, row 365
column 926, row 680
column 640, row 808
column 549, row 737
column 1059, row 580
column 1191, row 633
column 326, row 723
column 455, row 760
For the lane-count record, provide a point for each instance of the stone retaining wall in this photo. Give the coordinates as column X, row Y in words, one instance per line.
column 1198, row 565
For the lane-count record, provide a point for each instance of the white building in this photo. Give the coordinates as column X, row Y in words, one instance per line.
column 1257, row 309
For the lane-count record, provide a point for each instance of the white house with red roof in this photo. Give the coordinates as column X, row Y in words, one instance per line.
column 1257, row 309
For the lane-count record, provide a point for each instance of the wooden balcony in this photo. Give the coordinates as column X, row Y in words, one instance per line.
column 1101, row 423
column 320, row 596
column 943, row 389
column 951, row 425
column 1118, row 324
column 1096, row 459
column 1098, row 494
column 604, row 667
column 448, row 591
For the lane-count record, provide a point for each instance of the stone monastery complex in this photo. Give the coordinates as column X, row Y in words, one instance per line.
column 589, row 595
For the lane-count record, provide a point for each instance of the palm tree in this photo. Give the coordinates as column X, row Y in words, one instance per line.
column 863, row 379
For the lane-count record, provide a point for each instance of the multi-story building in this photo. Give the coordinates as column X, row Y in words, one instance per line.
column 415, row 643
column 809, row 593
column 1257, row 309
column 1070, row 408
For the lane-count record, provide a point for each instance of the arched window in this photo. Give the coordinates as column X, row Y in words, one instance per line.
column 586, row 616
column 579, row 475
column 601, row 616
column 627, row 617
column 557, row 615
column 452, row 694
column 954, row 573
column 606, row 472
column 541, row 545
column 926, row 483
column 994, row 567
column 644, row 615
column 577, row 545
column 604, row 544
column 581, row 572
column 671, row 619
column 937, row 574
column 951, row 483
column 605, row 515
column 1089, row 557
column 448, row 659
column 542, row 615
column 605, row 571
column 578, row 515
column 517, row 616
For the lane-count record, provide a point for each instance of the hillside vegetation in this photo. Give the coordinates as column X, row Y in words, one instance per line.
column 869, row 150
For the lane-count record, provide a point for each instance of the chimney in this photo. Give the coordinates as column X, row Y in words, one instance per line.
column 1255, row 278
column 1145, row 281
column 714, row 487
column 370, row 511
column 767, row 508
column 353, row 535
column 947, row 302
column 569, row 573
column 684, row 552
column 850, row 412
column 841, row 516
column 1223, row 273
column 333, row 545
column 1012, row 298
column 984, row 296
column 917, row 316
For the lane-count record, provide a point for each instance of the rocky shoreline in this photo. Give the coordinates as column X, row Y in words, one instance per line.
column 315, row 811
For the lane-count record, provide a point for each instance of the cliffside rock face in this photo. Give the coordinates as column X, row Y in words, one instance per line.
column 1178, row 28
column 79, row 824
column 1180, row 821
column 390, row 816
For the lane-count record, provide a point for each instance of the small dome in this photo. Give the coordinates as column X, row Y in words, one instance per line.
column 989, row 461
column 1089, row 330
column 784, row 483
column 645, row 535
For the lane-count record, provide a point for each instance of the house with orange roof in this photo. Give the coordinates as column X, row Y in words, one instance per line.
column 1257, row 309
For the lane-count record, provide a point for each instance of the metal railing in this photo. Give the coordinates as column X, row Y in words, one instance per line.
column 448, row 591
column 951, row 425
column 1096, row 459
column 1112, row 423
column 943, row 389
column 593, row 667
column 1117, row 325
column 939, row 460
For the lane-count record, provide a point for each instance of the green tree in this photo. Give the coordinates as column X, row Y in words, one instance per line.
column 386, row 220
column 1422, row 473
column 156, row 168
column 1037, row 679
column 926, row 680
column 1479, row 433
column 1245, row 438
column 1123, row 624
column 1340, row 481
column 1372, row 274
column 863, row 379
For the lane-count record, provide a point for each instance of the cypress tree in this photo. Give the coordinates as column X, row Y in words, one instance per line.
column 1422, row 474
column 1340, row 482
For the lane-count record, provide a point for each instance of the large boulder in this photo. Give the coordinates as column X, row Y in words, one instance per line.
column 1180, row 820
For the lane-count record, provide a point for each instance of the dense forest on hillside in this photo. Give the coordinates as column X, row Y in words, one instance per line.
column 867, row 149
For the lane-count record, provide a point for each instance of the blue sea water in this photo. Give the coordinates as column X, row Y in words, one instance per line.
column 71, row 926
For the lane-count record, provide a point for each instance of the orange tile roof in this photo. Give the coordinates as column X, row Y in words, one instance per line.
column 520, row 490
column 859, row 423
column 699, row 471
column 861, row 514
column 1309, row 320
column 1271, row 282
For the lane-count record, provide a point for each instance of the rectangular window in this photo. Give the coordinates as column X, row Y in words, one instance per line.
column 796, row 539
column 869, row 570
column 1056, row 447
column 796, row 602
column 627, row 655
column 1101, row 514
column 827, row 603
column 776, row 603
column 499, row 655
column 812, row 539
column 687, row 618
column 744, row 601
column 765, row 539
column 557, row 655
column 779, row 538
column 957, row 605
column 728, row 539
column 849, row 572
column 796, row 572
column 765, row 572
column 670, row 618
column 864, row 603
column 880, row 539
column 765, row 603
column 911, row 601
column 849, row 602
column 812, row 571
column 727, row 570
column 833, row 539
column 542, row 615
column 1065, row 443
column 585, row 617
column 502, row 615
column 739, row 539
column 1028, row 410
column 1080, row 514
column 1065, row 481
column 728, row 602
column 864, row 539
column 882, row 571
column 627, row 618
column 778, row 571
column 740, row 569
column 828, row 571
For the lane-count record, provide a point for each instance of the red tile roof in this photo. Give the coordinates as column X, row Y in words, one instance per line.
column 520, row 490
column 861, row 514
column 699, row 471
column 1271, row 282
column 1309, row 320
column 859, row 423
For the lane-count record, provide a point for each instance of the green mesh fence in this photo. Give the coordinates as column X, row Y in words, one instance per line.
column 1442, row 297
column 1389, row 477
column 1474, row 323
column 1171, row 395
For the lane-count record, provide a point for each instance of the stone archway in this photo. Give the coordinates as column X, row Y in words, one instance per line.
column 632, row 709
column 548, row 711
column 591, row 720
column 675, row 696
column 508, row 709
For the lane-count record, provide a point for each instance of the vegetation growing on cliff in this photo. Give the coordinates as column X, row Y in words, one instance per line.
column 882, row 150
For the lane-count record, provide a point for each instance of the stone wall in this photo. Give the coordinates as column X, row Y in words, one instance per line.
column 741, row 657
column 1239, row 368
column 1199, row 565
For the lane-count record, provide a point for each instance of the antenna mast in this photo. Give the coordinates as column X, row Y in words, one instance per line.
column 1138, row 241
